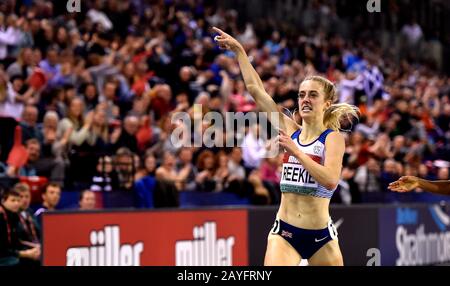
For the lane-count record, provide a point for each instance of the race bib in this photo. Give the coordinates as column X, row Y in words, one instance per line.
column 297, row 176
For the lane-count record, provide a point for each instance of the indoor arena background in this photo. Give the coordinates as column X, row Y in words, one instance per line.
column 127, row 66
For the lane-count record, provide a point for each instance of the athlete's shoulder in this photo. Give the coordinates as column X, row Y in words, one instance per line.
column 335, row 134
column 335, row 137
column 325, row 135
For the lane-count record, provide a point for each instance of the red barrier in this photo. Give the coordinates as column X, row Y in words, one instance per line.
column 162, row 238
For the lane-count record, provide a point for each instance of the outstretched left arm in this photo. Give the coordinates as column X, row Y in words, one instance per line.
column 328, row 174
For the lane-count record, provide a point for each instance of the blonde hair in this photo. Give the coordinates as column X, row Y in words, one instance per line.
column 333, row 115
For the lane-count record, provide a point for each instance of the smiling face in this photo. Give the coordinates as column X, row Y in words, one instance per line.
column 312, row 101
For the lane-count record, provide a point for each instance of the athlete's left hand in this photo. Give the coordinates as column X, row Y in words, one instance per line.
column 287, row 143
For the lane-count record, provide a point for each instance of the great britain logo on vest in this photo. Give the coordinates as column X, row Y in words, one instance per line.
column 317, row 149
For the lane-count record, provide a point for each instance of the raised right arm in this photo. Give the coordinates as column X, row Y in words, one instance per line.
column 253, row 82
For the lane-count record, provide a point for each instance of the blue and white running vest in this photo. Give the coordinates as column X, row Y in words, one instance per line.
column 295, row 178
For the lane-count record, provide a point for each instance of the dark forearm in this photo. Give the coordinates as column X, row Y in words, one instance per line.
column 436, row 187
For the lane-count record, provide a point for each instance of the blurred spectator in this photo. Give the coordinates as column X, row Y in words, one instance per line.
column 42, row 164
column 381, row 147
column 50, row 65
column 221, row 175
column 186, row 85
column 90, row 96
column 53, row 143
column 28, row 230
column 76, row 121
column 185, row 156
column 368, row 176
column 145, row 186
column 145, row 134
column 24, row 65
column 399, row 149
column 3, row 169
column 206, row 165
column 126, row 136
column 125, row 168
column 413, row 34
column 443, row 120
column 108, row 98
column 389, row 174
column 10, row 248
column 10, row 33
column 168, row 171
column 348, row 183
column 235, row 169
column 260, row 194
column 3, row 91
column 99, row 131
column 17, row 97
column 84, row 157
column 105, row 179
column 161, row 100
column 423, row 172
column 357, row 148
column 86, row 201
column 270, row 169
column 99, row 17
column 33, row 149
column 28, row 124
column 253, row 148
column 368, row 126
column 443, row 174
column 50, row 197
column 402, row 118
column 81, row 139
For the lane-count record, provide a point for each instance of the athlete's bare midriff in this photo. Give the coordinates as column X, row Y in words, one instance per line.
column 302, row 211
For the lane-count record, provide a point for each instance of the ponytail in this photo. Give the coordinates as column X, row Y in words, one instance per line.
column 333, row 115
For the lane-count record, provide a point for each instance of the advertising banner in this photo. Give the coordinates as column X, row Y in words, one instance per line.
column 165, row 238
column 414, row 235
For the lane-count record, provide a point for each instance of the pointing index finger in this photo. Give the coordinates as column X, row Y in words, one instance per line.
column 219, row 31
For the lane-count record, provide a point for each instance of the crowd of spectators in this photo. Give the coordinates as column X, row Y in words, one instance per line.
column 93, row 94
